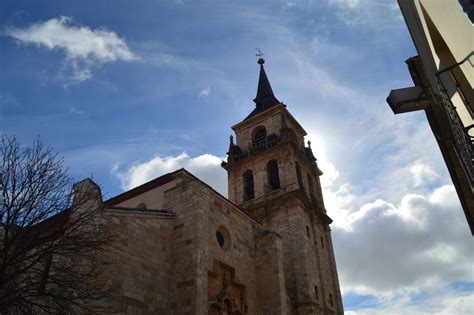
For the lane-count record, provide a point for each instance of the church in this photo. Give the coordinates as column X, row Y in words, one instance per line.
column 266, row 249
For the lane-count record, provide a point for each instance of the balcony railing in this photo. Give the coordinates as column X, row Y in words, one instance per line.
column 258, row 146
column 464, row 143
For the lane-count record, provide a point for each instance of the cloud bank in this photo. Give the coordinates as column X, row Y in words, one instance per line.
column 420, row 243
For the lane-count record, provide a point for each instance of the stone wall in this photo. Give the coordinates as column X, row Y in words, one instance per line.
column 270, row 276
column 272, row 125
column 239, row 249
column 174, row 264
column 189, row 246
column 138, row 262
column 297, row 215
column 162, row 263
column 258, row 166
column 152, row 199
column 306, row 264
column 254, row 253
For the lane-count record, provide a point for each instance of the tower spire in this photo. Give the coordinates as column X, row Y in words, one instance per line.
column 265, row 97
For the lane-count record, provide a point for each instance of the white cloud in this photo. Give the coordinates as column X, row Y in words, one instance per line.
column 330, row 174
column 458, row 305
column 416, row 242
column 84, row 47
column 339, row 203
column 205, row 92
column 422, row 173
column 206, row 167
column 389, row 249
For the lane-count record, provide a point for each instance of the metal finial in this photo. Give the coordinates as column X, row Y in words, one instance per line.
column 259, row 54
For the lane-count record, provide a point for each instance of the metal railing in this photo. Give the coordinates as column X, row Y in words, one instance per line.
column 258, row 146
column 464, row 143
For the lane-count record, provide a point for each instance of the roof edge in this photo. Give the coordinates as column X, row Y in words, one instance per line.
column 166, row 178
column 157, row 182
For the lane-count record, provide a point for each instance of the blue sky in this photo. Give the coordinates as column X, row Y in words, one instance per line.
column 127, row 91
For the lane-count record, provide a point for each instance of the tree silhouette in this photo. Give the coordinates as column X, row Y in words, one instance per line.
column 51, row 240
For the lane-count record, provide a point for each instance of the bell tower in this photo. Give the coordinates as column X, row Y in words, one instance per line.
column 274, row 177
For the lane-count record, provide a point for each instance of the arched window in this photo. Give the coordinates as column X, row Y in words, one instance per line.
column 142, row 205
column 259, row 134
column 311, row 187
column 273, row 176
column 249, row 192
column 298, row 176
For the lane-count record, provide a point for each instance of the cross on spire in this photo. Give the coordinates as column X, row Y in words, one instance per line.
column 259, row 54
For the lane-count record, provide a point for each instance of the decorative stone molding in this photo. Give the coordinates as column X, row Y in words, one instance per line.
column 225, row 295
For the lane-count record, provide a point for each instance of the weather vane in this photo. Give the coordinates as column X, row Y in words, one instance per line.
column 260, row 61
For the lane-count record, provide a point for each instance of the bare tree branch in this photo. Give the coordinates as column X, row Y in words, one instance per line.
column 51, row 235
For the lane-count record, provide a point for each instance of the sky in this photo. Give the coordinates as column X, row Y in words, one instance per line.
column 126, row 91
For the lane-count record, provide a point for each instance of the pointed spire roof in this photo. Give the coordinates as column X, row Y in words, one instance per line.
column 265, row 97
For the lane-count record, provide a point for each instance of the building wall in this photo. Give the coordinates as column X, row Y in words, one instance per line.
column 294, row 214
column 272, row 124
column 138, row 262
column 258, row 166
column 270, row 274
column 454, row 29
column 306, row 263
column 161, row 263
column 169, row 263
column 189, row 199
column 153, row 199
column 442, row 33
column 255, row 254
column 240, row 251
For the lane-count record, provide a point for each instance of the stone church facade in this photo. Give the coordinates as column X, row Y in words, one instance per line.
column 266, row 249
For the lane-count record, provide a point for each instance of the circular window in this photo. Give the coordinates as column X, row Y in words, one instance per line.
column 222, row 237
